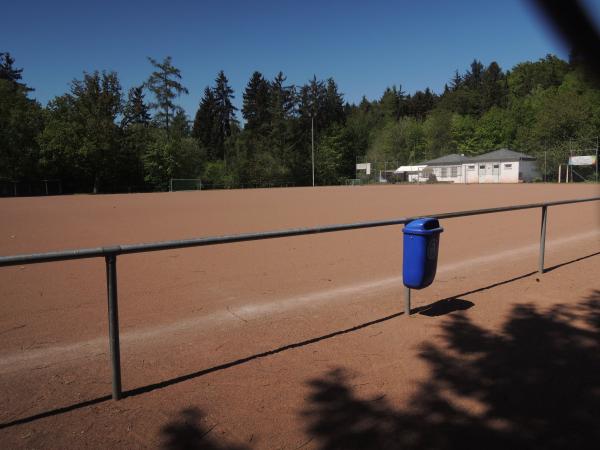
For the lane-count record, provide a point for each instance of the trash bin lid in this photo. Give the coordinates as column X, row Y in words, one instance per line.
column 423, row 226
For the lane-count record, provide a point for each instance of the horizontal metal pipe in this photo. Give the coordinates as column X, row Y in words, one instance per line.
column 215, row 240
column 63, row 255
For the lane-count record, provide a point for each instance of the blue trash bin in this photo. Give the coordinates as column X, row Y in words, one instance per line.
column 421, row 242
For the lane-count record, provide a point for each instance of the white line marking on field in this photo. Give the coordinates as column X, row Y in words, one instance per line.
column 31, row 358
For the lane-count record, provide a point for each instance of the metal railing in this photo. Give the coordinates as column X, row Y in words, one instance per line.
column 110, row 255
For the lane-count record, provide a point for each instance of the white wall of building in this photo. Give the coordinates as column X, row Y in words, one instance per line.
column 491, row 172
column 483, row 172
column 509, row 171
column 471, row 176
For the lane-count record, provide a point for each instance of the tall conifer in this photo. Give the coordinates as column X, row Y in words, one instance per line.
column 164, row 84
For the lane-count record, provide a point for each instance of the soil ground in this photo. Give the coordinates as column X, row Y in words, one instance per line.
column 301, row 342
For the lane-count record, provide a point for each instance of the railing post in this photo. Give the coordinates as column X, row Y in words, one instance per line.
column 113, row 324
column 543, row 239
column 406, row 301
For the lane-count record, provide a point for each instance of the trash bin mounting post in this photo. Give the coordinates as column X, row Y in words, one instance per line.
column 407, row 294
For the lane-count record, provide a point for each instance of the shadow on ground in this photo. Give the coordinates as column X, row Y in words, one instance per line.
column 445, row 306
column 533, row 384
column 187, row 433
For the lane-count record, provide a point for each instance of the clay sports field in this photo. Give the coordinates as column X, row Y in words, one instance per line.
column 301, row 342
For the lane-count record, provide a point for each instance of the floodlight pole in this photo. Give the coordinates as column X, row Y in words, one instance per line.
column 569, row 166
column 312, row 144
column 596, row 159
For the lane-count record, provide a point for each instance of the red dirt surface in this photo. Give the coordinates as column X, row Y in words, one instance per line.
column 300, row 342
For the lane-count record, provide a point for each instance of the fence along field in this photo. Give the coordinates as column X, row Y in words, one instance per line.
column 110, row 254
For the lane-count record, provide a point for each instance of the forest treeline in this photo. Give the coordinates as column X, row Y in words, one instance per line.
column 97, row 137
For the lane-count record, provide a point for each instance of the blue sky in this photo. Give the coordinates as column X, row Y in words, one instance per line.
column 364, row 45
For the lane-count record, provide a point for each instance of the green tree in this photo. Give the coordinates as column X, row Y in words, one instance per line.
column 476, row 91
column 311, row 103
column 170, row 156
column 283, row 99
column 495, row 129
column 333, row 104
column 494, row 87
column 311, row 116
column 328, row 158
column 456, row 82
column 180, row 126
column 205, row 123
column 419, row 104
column 216, row 174
column 463, row 134
column 570, row 111
column 282, row 110
column 20, row 122
column 81, row 138
column 544, row 73
column 135, row 142
column 359, row 127
column 256, row 108
column 135, row 110
column 10, row 73
column 474, row 77
column 226, row 121
column 402, row 141
column 164, row 83
column 393, row 103
column 437, row 129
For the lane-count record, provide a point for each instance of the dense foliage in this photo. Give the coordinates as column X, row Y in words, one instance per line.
column 96, row 139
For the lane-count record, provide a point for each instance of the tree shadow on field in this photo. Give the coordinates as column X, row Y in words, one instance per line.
column 186, row 433
column 533, row 384
column 438, row 308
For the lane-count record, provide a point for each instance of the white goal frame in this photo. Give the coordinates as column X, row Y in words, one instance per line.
column 197, row 181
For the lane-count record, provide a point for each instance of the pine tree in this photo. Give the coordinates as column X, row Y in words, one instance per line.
column 473, row 77
column 456, row 82
column 421, row 103
column 281, row 112
column 365, row 104
column 390, row 103
column 334, row 104
column 179, row 125
column 256, row 107
column 164, row 84
column 10, row 73
column 205, row 123
column 493, row 86
column 135, row 110
column 283, row 98
column 312, row 102
column 225, row 112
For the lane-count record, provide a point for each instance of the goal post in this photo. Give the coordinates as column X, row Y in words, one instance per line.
column 185, row 184
column 353, row 182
